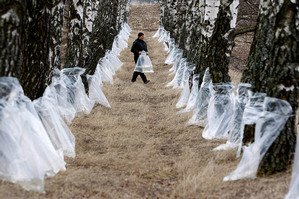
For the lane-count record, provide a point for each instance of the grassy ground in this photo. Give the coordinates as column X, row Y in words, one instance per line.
column 141, row 149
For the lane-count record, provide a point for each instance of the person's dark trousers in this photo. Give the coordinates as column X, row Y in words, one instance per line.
column 142, row 75
column 135, row 74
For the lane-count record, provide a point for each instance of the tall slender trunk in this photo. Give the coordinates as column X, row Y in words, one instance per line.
column 273, row 68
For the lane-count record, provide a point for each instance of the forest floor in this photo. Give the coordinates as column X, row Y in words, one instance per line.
column 141, row 148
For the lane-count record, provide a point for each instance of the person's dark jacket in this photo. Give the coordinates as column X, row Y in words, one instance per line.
column 138, row 46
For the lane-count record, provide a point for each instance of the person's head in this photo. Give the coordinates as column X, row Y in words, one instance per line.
column 140, row 36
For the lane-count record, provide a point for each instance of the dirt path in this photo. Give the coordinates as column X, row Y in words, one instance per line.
column 141, row 149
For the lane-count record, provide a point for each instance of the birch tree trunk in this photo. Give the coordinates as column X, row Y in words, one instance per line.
column 32, row 42
column 273, row 68
column 204, row 30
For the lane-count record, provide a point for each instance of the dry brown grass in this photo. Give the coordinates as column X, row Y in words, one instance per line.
column 142, row 149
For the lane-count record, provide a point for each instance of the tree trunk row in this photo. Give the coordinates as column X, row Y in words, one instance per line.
column 205, row 31
column 32, row 33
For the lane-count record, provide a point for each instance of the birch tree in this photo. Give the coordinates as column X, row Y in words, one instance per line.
column 273, row 68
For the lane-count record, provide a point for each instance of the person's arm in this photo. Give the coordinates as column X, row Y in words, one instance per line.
column 134, row 48
column 145, row 47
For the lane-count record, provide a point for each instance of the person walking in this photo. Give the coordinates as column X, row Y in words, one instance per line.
column 138, row 46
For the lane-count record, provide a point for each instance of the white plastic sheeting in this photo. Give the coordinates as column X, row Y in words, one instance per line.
column 65, row 107
column 224, row 114
column 294, row 187
column 58, row 132
column 220, row 112
column 185, row 85
column 27, row 155
column 202, row 103
column 76, row 90
column 95, row 90
column 179, row 73
column 253, row 109
column 183, row 100
column 159, row 32
column 176, row 61
column 144, row 64
column 191, row 103
column 34, row 136
column 237, row 127
column 121, row 40
column 269, row 123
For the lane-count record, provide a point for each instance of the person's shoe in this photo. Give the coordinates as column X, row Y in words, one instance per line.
column 133, row 80
column 147, row 81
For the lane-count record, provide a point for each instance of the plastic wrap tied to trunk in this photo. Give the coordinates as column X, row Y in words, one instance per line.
column 119, row 44
column 181, row 72
column 27, row 155
column 59, row 133
column 294, row 187
column 183, row 100
column 220, row 112
column 237, row 127
column 95, row 89
column 121, row 40
column 144, row 64
column 191, row 103
column 114, row 60
column 171, row 45
column 76, row 90
column 159, row 32
column 269, row 123
column 165, row 36
column 178, row 55
column 200, row 112
column 172, row 56
column 105, row 71
column 64, row 105
column 253, row 109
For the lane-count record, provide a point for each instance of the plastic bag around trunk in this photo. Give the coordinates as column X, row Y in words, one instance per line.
column 179, row 75
column 27, row 155
column 220, row 112
column 166, row 47
column 172, row 56
column 127, row 27
column 159, row 32
column 106, row 74
column 163, row 37
column 252, row 112
column 170, row 45
column 57, row 130
column 237, row 127
column 191, row 103
column 202, row 102
column 66, row 109
column 109, row 66
column 294, row 186
column 144, row 64
column 185, row 85
column 176, row 61
column 76, row 90
column 184, row 96
column 95, row 90
column 268, row 126
column 114, row 60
